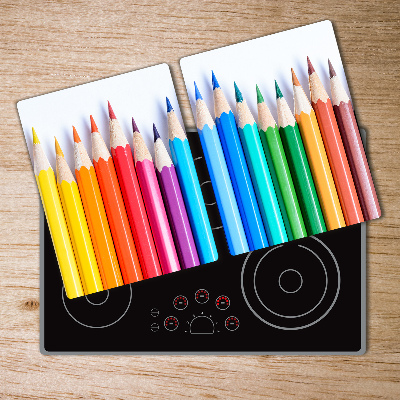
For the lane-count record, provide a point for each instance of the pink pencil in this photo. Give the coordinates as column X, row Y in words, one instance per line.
column 154, row 204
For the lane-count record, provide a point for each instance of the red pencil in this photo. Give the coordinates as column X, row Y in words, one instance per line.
column 154, row 204
column 115, row 209
column 354, row 148
column 123, row 161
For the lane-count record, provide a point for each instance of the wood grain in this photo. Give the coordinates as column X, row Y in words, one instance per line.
column 47, row 45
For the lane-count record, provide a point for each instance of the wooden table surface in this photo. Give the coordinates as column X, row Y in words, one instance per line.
column 48, row 45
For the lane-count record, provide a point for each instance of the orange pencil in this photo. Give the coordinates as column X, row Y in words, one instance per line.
column 334, row 148
column 96, row 217
column 319, row 164
column 115, row 209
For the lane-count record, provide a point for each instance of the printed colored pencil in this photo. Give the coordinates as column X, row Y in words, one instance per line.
column 277, row 188
column 115, row 209
column 190, row 186
column 317, row 158
column 299, row 167
column 354, row 148
column 220, row 180
column 260, row 172
column 96, row 217
column 154, row 204
column 334, row 148
column 272, row 142
column 135, row 208
column 174, row 205
column 48, row 191
column 238, row 170
column 78, row 228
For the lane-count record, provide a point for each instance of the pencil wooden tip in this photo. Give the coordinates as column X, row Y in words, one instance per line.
column 197, row 92
column 294, row 79
column 169, row 107
column 93, row 125
column 77, row 139
column 35, row 137
column 332, row 72
column 156, row 134
column 134, row 126
column 111, row 112
column 59, row 152
column 310, row 67
column 260, row 98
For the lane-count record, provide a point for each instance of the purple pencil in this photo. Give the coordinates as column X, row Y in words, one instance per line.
column 173, row 200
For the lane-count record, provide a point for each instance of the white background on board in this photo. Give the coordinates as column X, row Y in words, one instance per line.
column 139, row 94
column 261, row 61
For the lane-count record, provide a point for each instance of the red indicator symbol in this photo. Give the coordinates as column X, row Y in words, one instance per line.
column 222, row 302
column 202, row 296
column 231, row 323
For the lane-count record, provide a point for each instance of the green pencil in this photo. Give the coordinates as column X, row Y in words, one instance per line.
column 273, row 148
column 299, row 167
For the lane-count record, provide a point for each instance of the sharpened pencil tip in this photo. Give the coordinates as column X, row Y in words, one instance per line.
column 77, row 139
column 332, row 72
column 169, row 107
column 197, row 92
column 310, row 67
column 156, row 134
column 238, row 93
column 294, row 79
column 59, row 152
column 279, row 94
column 35, row 137
column 215, row 83
column 111, row 112
column 93, row 126
column 134, row 126
column 260, row 98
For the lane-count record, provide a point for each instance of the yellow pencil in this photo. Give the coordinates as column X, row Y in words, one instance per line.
column 78, row 228
column 55, row 219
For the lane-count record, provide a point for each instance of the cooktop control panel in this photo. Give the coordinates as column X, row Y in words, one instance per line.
column 196, row 313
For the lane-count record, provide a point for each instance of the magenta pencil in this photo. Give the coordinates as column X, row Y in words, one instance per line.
column 174, row 205
column 154, row 204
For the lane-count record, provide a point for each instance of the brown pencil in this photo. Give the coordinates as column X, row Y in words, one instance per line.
column 354, row 148
column 334, row 149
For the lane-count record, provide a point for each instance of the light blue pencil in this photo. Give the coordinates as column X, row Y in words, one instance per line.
column 191, row 191
column 219, row 175
column 238, row 170
column 260, row 173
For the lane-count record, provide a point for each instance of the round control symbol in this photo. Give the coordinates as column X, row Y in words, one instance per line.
column 231, row 323
column 171, row 323
column 154, row 327
column 222, row 302
column 180, row 302
column 202, row 296
column 154, row 312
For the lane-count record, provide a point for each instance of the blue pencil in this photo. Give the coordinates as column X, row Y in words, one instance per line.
column 221, row 183
column 191, row 191
column 238, row 170
column 260, row 173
